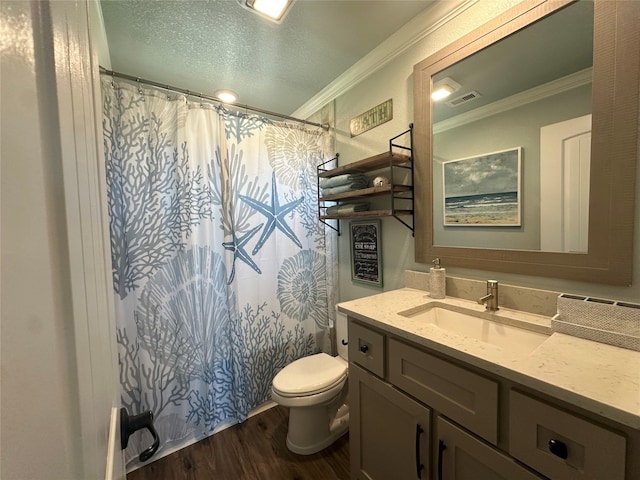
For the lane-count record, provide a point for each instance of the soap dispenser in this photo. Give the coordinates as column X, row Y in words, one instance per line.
column 437, row 280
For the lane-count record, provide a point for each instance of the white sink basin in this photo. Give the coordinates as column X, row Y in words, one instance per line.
column 472, row 324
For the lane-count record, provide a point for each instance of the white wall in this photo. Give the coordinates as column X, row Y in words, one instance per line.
column 39, row 431
column 58, row 358
column 395, row 81
column 99, row 34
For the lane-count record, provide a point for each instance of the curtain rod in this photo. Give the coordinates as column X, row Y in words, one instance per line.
column 189, row 93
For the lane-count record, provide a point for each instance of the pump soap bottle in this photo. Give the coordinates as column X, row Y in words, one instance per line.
column 437, row 280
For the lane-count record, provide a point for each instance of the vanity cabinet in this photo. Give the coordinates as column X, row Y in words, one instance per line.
column 399, row 191
column 412, row 407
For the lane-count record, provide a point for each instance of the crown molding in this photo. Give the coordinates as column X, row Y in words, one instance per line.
column 425, row 23
column 569, row 82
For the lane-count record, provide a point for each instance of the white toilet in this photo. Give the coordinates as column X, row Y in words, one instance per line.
column 315, row 390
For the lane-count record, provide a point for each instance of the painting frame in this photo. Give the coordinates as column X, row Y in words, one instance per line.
column 366, row 252
column 483, row 190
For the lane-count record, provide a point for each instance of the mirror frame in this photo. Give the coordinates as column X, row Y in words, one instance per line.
column 614, row 149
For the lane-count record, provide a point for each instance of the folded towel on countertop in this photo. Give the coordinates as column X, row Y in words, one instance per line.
column 346, row 179
column 347, row 208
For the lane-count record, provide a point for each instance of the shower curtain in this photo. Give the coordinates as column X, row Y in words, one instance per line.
column 220, row 267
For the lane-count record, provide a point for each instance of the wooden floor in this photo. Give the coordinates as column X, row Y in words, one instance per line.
column 255, row 449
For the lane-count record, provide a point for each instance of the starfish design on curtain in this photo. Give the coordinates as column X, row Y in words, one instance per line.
column 237, row 247
column 275, row 214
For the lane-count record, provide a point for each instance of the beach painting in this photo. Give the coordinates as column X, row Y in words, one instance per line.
column 483, row 190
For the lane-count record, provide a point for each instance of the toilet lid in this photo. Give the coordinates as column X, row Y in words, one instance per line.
column 310, row 374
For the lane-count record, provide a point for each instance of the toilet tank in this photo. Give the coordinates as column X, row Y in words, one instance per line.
column 341, row 334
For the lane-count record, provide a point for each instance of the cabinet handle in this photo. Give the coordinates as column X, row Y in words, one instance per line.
column 441, row 448
column 419, row 466
column 558, row 448
column 364, row 348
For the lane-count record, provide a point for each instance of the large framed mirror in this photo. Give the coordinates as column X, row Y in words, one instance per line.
column 529, row 165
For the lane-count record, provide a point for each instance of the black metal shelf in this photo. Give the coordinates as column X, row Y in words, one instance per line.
column 400, row 195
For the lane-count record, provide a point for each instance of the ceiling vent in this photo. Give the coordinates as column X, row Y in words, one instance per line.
column 467, row 97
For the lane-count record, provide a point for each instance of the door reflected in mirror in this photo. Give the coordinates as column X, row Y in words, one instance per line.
column 517, row 93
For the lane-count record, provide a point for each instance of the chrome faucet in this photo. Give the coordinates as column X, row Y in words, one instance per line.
column 491, row 298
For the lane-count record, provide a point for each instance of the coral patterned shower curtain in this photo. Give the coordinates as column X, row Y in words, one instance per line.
column 219, row 261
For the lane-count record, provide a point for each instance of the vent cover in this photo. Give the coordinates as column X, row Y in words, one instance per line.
column 467, row 97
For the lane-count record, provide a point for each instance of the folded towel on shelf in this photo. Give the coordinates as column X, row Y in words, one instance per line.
column 347, row 187
column 346, row 179
column 347, row 208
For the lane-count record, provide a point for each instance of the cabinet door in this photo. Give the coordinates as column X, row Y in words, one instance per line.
column 464, row 457
column 389, row 432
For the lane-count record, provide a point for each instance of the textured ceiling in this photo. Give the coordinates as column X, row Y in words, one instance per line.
column 206, row 45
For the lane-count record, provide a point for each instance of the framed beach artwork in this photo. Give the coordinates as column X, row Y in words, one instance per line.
column 483, row 190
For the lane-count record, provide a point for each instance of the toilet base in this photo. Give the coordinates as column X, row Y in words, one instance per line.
column 316, row 433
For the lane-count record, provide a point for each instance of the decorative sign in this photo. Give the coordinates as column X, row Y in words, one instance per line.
column 371, row 118
column 366, row 252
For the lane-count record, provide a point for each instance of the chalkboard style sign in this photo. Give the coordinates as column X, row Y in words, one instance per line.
column 366, row 252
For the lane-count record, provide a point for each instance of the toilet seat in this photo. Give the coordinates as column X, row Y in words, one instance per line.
column 310, row 375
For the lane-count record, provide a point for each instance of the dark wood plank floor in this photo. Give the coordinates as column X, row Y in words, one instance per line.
column 253, row 450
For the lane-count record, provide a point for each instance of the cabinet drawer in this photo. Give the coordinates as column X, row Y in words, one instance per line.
column 366, row 348
column 561, row 445
column 465, row 397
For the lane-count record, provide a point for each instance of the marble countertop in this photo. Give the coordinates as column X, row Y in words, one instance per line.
column 599, row 378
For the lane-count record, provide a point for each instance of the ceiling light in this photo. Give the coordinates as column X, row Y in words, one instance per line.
column 274, row 10
column 271, row 8
column 226, row 96
column 442, row 92
column 443, row 88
